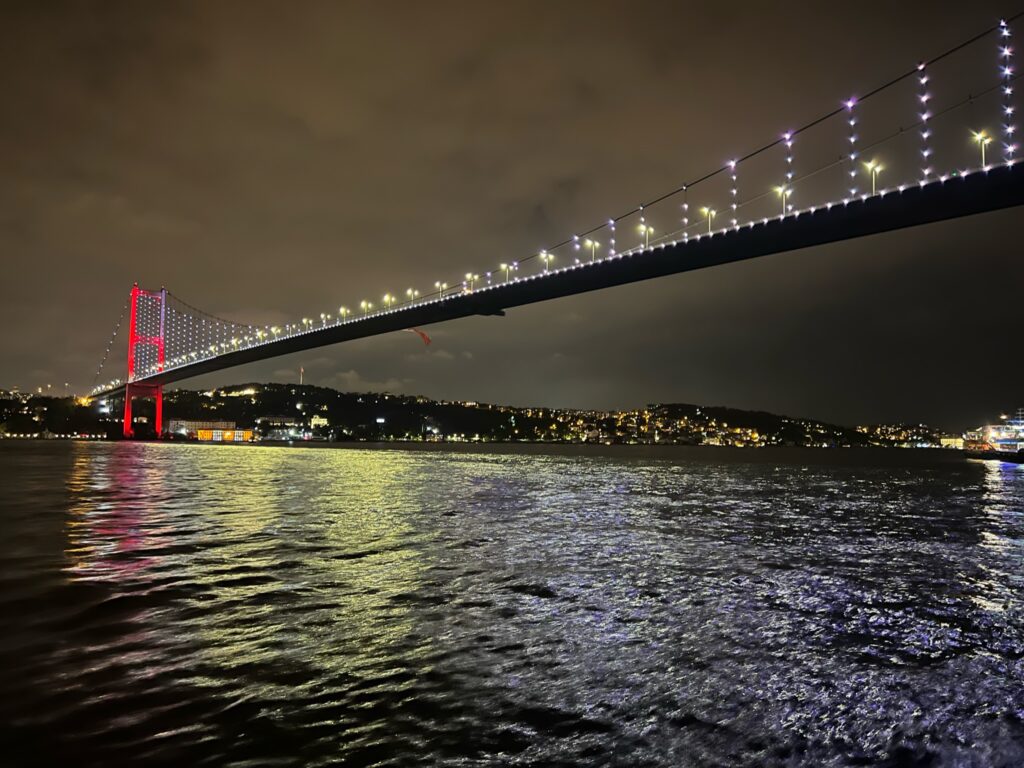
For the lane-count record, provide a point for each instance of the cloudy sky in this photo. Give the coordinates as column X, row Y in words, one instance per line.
column 269, row 160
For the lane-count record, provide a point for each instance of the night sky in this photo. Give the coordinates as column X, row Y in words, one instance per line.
column 271, row 160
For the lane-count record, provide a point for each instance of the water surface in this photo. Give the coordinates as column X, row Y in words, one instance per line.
column 242, row 606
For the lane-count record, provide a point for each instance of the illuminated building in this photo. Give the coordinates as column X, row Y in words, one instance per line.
column 191, row 429
column 224, row 435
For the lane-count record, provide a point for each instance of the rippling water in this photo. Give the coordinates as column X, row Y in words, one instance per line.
column 199, row 605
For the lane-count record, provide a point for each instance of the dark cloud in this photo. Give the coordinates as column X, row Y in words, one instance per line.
column 268, row 160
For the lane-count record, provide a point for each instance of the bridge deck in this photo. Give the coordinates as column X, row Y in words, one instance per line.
column 1001, row 187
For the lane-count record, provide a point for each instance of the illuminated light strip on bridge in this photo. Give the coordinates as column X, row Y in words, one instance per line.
column 1006, row 73
column 257, row 337
column 787, row 187
column 851, row 121
column 926, row 130
column 734, row 193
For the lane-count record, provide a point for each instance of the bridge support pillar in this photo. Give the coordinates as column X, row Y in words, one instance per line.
column 129, row 431
column 132, row 391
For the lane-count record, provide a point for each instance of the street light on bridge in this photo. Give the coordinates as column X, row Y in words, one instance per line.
column 505, row 268
column 546, row 258
column 471, row 280
column 874, row 168
column 342, row 313
column 646, row 230
column 593, row 245
column 783, row 193
column 412, row 293
column 366, row 306
column 710, row 213
column 441, row 288
column 982, row 139
column 388, row 300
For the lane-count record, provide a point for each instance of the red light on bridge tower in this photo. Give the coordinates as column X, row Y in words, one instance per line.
column 151, row 317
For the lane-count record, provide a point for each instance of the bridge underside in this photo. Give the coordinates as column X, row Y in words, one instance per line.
column 999, row 188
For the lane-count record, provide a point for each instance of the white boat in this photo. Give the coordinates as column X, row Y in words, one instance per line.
column 1003, row 441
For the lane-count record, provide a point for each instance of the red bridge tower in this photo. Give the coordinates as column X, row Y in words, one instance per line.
column 145, row 335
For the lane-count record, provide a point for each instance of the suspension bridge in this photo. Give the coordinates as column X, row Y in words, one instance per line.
column 936, row 142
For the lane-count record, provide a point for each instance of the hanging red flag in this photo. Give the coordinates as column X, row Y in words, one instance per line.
column 421, row 334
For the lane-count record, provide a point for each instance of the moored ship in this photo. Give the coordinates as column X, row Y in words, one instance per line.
column 1002, row 442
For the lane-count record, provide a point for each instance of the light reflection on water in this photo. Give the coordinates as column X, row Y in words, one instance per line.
column 176, row 604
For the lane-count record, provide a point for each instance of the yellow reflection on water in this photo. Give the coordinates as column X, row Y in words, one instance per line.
column 237, row 505
column 339, row 521
column 372, row 555
column 273, row 554
column 78, row 551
